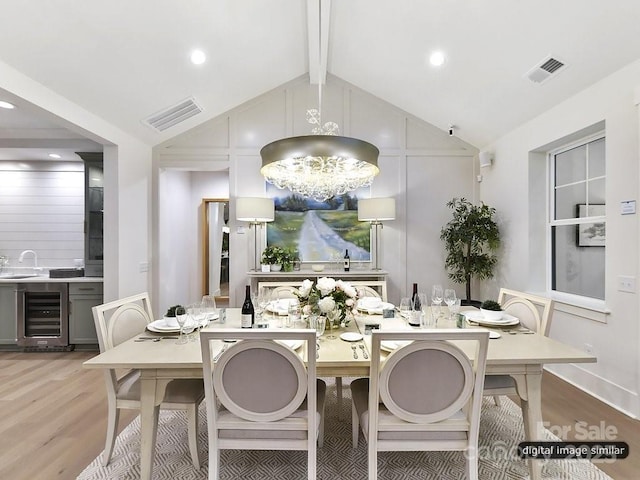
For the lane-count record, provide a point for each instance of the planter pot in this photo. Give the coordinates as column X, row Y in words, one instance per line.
column 276, row 268
column 265, row 268
column 492, row 314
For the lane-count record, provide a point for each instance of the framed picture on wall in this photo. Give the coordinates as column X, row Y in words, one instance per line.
column 590, row 234
column 319, row 231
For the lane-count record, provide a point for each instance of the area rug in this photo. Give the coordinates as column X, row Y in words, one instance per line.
column 500, row 432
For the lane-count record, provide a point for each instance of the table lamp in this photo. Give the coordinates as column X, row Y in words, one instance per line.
column 256, row 211
column 375, row 210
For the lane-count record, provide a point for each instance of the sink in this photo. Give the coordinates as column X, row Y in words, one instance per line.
column 17, row 277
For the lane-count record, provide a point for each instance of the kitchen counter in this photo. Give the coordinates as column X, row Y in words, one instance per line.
column 4, row 279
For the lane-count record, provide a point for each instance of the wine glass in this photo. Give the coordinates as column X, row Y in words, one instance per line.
column 319, row 322
column 209, row 307
column 436, row 296
column 181, row 318
column 405, row 307
column 450, row 299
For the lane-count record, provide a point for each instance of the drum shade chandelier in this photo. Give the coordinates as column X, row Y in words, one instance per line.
column 322, row 165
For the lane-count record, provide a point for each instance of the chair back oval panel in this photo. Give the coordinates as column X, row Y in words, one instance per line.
column 126, row 322
column 525, row 311
column 426, row 382
column 260, row 380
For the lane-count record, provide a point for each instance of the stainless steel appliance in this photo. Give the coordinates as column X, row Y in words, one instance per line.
column 43, row 319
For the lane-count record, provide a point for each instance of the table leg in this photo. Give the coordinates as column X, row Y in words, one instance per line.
column 151, row 395
column 532, row 417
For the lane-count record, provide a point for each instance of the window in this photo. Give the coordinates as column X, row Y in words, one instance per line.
column 577, row 220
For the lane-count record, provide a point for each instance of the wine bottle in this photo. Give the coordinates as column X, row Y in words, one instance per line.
column 347, row 261
column 248, row 314
column 414, row 318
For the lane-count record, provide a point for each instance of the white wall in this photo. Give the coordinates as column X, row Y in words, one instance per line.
column 412, row 153
column 42, row 209
column 515, row 186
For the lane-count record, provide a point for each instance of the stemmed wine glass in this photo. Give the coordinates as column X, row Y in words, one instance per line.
column 319, row 322
column 450, row 299
column 208, row 305
column 181, row 318
column 405, row 308
column 436, row 296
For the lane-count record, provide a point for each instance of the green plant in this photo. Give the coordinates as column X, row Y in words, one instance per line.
column 471, row 238
column 491, row 305
column 172, row 311
column 274, row 255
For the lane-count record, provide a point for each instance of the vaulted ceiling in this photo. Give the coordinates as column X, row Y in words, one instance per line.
column 126, row 60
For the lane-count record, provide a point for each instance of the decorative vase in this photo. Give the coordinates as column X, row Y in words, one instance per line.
column 276, row 268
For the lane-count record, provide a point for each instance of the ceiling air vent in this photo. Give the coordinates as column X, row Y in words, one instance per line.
column 546, row 69
column 173, row 115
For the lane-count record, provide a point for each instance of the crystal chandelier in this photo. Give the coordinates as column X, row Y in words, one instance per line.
column 321, row 165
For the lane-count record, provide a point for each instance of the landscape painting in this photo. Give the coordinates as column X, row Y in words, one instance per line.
column 319, row 231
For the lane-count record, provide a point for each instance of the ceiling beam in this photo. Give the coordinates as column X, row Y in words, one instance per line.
column 318, row 20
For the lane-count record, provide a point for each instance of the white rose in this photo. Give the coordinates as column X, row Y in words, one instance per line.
column 349, row 290
column 326, row 304
column 306, row 309
column 305, row 289
column 349, row 302
column 326, row 285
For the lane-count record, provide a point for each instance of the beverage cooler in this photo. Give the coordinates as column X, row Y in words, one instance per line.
column 43, row 320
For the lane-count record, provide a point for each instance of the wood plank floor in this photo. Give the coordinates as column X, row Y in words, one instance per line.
column 54, row 416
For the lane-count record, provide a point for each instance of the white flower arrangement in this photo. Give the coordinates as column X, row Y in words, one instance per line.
column 328, row 295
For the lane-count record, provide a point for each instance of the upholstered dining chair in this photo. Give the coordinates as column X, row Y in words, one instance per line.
column 259, row 393
column 117, row 322
column 426, row 396
column 535, row 313
column 371, row 288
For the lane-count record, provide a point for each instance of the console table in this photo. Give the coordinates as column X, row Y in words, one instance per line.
column 300, row 275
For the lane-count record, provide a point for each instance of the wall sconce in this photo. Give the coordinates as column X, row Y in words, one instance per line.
column 375, row 210
column 256, row 211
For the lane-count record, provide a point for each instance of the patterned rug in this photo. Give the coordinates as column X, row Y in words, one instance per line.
column 500, row 432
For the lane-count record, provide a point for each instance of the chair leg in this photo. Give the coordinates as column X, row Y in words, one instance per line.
column 311, row 463
column 472, row 466
column 339, row 392
column 355, row 426
column 192, row 427
column 214, row 462
column 496, row 399
column 112, row 426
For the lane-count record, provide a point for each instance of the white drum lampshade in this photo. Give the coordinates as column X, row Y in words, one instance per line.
column 376, row 209
column 255, row 209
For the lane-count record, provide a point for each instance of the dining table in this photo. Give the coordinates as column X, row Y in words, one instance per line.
column 340, row 353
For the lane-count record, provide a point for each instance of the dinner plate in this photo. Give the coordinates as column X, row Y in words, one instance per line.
column 160, row 326
column 351, row 336
column 506, row 320
column 292, row 344
column 391, row 345
column 280, row 307
column 374, row 311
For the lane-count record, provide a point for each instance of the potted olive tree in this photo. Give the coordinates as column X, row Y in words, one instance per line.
column 471, row 239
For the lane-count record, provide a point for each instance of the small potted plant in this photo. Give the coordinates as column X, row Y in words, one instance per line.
column 278, row 257
column 491, row 310
column 170, row 316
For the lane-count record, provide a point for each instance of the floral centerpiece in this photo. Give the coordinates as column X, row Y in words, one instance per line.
column 332, row 298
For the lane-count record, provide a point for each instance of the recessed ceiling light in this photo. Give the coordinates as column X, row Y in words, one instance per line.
column 437, row 59
column 198, row 57
column 6, row 105
column 54, row 155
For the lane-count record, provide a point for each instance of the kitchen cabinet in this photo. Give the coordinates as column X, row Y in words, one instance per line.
column 82, row 297
column 8, row 324
column 93, row 213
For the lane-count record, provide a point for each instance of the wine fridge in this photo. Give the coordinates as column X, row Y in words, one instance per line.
column 43, row 320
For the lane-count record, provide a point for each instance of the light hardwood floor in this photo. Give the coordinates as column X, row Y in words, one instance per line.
column 53, row 416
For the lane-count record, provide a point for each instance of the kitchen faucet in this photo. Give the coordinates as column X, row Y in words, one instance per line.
column 35, row 257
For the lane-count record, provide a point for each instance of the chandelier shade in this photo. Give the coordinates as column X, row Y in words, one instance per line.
column 320, row 166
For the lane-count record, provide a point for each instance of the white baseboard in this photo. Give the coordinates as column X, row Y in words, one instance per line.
column 622, row 399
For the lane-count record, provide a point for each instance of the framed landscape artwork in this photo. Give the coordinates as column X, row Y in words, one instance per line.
column 319, row 231
column 590, row 234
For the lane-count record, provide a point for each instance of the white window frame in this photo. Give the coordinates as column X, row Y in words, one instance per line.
column 593, row 308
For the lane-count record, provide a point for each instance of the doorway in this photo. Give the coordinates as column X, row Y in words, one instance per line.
column 215, row 244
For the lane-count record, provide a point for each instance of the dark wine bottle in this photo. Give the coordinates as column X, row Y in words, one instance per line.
column 248, row 314
column 414, row 319
column 347, row 261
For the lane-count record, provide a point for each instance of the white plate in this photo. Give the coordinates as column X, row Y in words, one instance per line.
column 493, row 334
column 292, row 344
column 280, row 307
column 351, row 336
column 390, row 346
column 160, row 326
column 375, row 311
column 506, row 320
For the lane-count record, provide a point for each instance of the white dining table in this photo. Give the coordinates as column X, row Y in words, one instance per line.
column 519, row 355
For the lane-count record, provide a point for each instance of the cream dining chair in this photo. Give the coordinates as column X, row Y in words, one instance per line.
column 117, row 322
column 425, row 396
column 535, row 313
column 259, row 393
